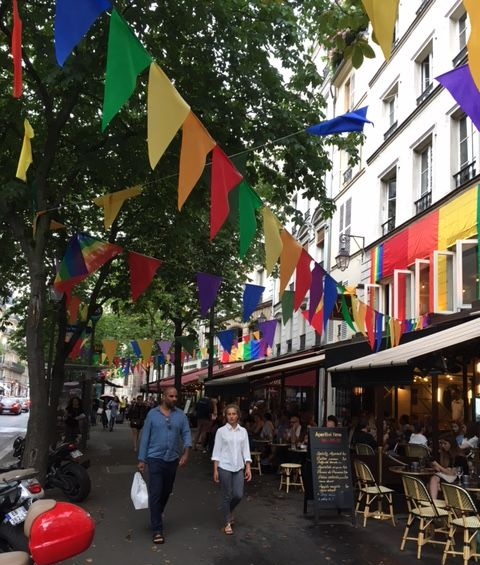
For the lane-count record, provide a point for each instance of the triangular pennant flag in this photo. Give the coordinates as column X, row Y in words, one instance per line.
column 136, row 348
column 226, row 339
column 113, row 201
column 164, row 346
column 378, row 330
column 25, row 159
column 359, row 313
column 351, row 121
column 145, row 346
column 54, row 225
column 287, row 305
column 289, row 257
column 72, row 21
column 256, row 335
column 126, row 59
column 72, row 307
column 346, row 314
column 329, row 298
column 142, row 270
column 382, row 15
column 17, row 52
column 208, row 286
column 251, row 297
column 273, row 242
column 76, row 349
column 167, row 111
column 303, row 279
column 187, row 342
column 110, row 348
column 249, row 201
column 316, row 289
column 196, row 145
column 316, row 322
column 370, row 325
column 473, row 44
column 224, row 177
column 268, row 329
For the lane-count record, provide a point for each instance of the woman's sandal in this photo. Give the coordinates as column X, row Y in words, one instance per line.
column 158, row 538
column 227, row 530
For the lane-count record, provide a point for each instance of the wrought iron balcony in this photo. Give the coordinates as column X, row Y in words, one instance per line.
column 347, row 175
column 461, row 57
column 465, row 174
column 425, row 94
column 424, row 202
column 388, row 226
column 390, row 130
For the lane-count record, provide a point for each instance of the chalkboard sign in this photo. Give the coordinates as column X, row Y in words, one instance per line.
column 331, row 469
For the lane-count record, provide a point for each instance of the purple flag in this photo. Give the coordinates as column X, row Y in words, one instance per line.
column 251, row 297
column 164, row 346
column 460, row 84
column 208, row 286
column 329, row 298
column 268, row 329
column 226, row 339
column 316, row 290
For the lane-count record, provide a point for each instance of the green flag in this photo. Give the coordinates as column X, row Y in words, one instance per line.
column 188, row 342
column 126, row 59
column 346, row 314
column 287, row 305
column 249, row 201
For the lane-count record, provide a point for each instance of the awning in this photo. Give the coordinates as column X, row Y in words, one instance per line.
column 405, row 357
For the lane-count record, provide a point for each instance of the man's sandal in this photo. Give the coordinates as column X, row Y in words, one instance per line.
column 158, row 538
column 228, row 529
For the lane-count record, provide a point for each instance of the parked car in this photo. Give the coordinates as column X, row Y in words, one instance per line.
column 25, row 402
column 10, row 405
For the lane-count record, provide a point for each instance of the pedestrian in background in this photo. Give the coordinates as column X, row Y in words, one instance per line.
column 164, row 446
column 137, row 413
column 203, row 412
column 114, row 407
column 231, row 464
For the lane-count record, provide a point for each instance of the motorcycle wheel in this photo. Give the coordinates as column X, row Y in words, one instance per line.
column 78, row 480
column 12, row 538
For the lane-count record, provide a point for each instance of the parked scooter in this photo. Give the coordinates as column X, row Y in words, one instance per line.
column 54, row 531
column 67, row 470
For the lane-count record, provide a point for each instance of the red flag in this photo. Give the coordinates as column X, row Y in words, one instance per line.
column 370, row 326
column 303, row 279
column 73, row 304
column 17, row 52
column 142, row 271
column 224, row 177
column 316, row 321
column 76, row 349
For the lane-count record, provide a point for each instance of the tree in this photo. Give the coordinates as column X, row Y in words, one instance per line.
column 244, row 69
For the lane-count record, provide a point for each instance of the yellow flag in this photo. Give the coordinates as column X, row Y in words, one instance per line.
column 289, row 258
column 26, row 155
column 382, row 15
column 110, row 347
column 167, row 111
column 273, row 241
column 196, row 145
column 359, row 310
column 145, row 346
column 113, row 201
column 473, row 10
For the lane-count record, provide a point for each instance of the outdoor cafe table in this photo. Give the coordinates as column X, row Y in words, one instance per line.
column 404, row 470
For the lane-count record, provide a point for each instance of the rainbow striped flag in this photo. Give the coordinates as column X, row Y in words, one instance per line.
column 377, row 263
column 84, row 255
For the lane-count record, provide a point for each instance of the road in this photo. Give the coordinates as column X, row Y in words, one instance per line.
column 10, row 427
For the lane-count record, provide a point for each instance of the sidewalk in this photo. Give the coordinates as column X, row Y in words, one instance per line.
column 270, row 527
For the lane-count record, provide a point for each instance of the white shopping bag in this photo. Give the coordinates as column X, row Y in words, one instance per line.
column 139, row 492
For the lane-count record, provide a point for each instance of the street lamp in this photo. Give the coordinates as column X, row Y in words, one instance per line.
column 343, row 258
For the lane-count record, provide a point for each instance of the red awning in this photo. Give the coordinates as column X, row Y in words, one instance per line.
column 308, row 379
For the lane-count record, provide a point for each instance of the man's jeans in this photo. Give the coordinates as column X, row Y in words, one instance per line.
column 161, row 476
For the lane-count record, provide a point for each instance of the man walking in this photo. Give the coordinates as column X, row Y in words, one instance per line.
column 164, row 446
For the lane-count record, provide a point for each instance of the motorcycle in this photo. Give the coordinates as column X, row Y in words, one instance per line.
column 66, row 470
column 53, row 531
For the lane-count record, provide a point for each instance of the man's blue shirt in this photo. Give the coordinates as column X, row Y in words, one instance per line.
column 164, row 437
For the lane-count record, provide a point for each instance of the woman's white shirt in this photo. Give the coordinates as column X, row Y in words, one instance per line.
column 231, row 448
column 418, row 439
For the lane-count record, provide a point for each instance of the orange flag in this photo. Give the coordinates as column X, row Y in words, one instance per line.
column 146, row 346
column 110, row 347
column 73, row 306
column 196, row 145
column 288, row 258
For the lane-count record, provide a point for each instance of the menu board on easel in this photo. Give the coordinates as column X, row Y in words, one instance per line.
column 331, row 469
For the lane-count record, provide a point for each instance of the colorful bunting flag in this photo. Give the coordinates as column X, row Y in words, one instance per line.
column 145, row 346
column 378, row 330
column 25, row 159
column 351, row 121
column 224, row 177
column 226, row 339
column 73, row 18
column 382, row 15
column 473, row 44
column 303, row 279
column 370, row 325
column 268, row 329
column 289, row 257
column 187, row 342
column 316, row 290
column 359, row 310
column 248, row 201
column 287, row 305
column 164, row 346
column 251, row 297
column 346, row 314
column 208, row 286
column 329, row 298
column 142, row 270
column 273, row 242
column 113, row 202
column 110, row 347
column 17, row 52
column 167, row 111
column 73, row 306
column 126, row 59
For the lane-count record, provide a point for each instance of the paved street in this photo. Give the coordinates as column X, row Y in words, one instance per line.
column 10, row 427
column 270, row 529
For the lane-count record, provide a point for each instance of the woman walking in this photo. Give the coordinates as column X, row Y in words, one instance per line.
column 137, row 414
column 231, row 464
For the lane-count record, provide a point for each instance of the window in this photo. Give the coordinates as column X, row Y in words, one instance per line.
column 349, row 93
column 466, row 142
column 403, row 294
column 302, row 341
column 444, row 282
column 466, row 272
column 389, row 202
column 279, row 347
column 320, row 241
column 346, row 220
column 289, row 345
column 426, row 73
column 390, row 109
column 462, row 31
column 426, row 170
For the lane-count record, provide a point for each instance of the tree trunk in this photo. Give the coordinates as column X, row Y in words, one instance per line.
column 178, row 357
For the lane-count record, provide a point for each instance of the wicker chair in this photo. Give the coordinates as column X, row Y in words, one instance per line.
column 364, row 449
column 463, row 515
column 371, row 491
column 416, row 450
column 431, row 518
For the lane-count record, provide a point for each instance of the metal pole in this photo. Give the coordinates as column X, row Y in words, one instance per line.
column 210, row 342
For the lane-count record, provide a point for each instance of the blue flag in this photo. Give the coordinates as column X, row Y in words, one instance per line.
column 251, row 297
column 329, row 298
column 226, row 339
column 73, row 18
column 351, row 121
column 135, row 347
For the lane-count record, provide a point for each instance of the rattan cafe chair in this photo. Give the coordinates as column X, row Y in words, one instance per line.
column 416, row 450
column 364, row 449
column 369, row 491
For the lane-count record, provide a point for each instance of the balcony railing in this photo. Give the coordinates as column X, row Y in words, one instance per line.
column 425, row 94
column 390, row 130
column 347, row 175
column 461, row 57
column 12, row 366
column 424, row 202
column 465, row 174
column 388, row 226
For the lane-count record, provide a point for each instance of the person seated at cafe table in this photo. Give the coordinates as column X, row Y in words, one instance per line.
column 294, row 432
column 332, row 421
column 450, row 459
column 458, row 430
column 362, row 434
column 470, row 441
column 418, row 436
